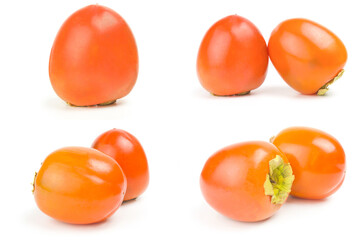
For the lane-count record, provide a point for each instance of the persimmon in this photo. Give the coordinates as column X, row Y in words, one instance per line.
column 232, row 58
column 79, row 185
column 128, row 152
column 308, row 56
column 247, row 181
column 94, row 58
column 317, row 159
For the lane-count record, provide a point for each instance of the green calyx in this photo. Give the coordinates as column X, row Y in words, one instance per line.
column 322, row 91
column 279, row 180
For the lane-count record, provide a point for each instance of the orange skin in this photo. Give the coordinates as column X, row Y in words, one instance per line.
column 306, row 54
column 94, row 58
column 232, row 181
column 317, row 160
column 127, row 151
column 232, row 58
column 79, row 185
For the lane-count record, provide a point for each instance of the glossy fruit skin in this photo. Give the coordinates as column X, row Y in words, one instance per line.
column 306, row 54
column 317, row 159
column 128, row 152
column 94, row 58
column 232, row 181
column 232, row 57
column 79, row 185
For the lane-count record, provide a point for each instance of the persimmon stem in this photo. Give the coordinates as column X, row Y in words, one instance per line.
column 36, row 174
column 100, row 104
column 279, row 180
column 235, row 95
column 322, row 91
column 107, row 103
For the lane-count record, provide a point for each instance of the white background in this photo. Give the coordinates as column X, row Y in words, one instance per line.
column 178, row 123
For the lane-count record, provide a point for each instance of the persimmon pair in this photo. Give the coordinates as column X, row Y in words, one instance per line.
column 86, row 185
column 250, row 181
column 233, row 56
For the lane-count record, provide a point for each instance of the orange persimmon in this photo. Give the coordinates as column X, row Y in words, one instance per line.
column 317, row 159
column 128, row 152
column 247, row 181
column 79, row 185
column 232, row 58
column 308, row 56
column 94, row 58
